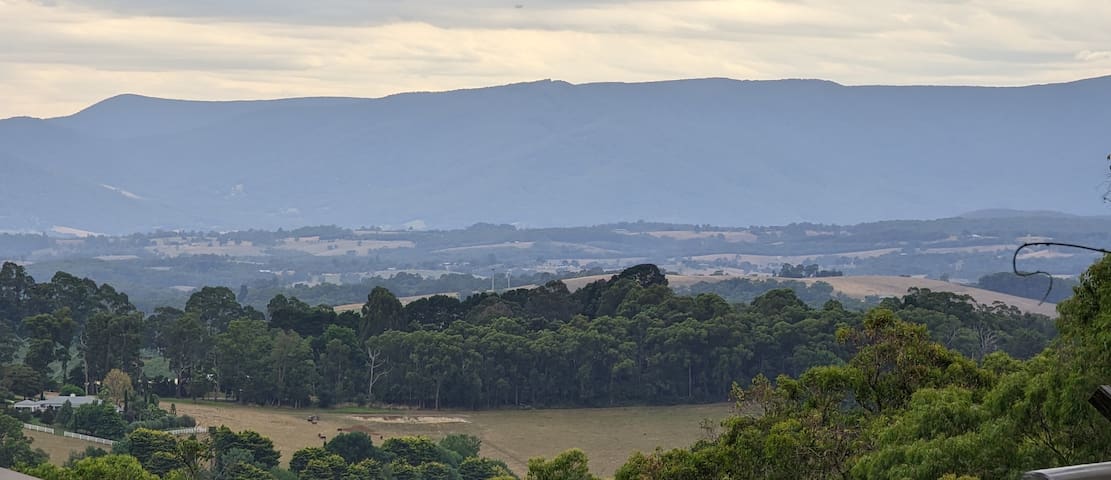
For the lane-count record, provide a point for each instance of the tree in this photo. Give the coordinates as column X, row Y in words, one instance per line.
column 117, row 387
column 194, row 456
column 328, row 467
column 243, row 354
column 376, row 364
column 295, row 315
column 569, row 465
column 483, row 469
column 365, row 470
column 99, row 420
column 15, row 448
column 260, row 447
column 144, row 444
column 437, row 471
column 111, row 341
column 216, row 307
column 111, row 467
column 340, row 365
column 188, row 349
column 246, row 471
column 16, row 290
column 414, row 451
column 382, row 311
column 895, row 358
column 302, row 457
column 645, row 275
column 51, row 336
column 354, row 447
column 22, row 380
column 64, row 418
column 466, row 446
column 292, row 368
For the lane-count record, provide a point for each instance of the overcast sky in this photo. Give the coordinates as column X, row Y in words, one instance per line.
column 58, row 56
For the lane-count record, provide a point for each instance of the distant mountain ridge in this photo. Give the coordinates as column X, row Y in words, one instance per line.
column 550, row 153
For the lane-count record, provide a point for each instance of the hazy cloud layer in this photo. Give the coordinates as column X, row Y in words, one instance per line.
column 61, row 55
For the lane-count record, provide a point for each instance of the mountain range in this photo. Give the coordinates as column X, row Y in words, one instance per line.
column 550, row 153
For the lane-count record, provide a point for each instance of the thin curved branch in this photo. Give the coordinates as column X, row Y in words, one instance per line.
column 1014, row 261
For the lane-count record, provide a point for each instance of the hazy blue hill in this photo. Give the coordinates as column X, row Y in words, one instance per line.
column 714, row 151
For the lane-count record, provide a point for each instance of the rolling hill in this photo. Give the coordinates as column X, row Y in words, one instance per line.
column 550, row 153
column 859, row 287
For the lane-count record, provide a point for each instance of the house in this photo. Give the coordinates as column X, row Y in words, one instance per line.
column 74, row 401
column 55, row 403
column 28, row 405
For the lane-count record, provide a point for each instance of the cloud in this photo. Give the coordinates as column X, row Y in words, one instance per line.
column 62, row 55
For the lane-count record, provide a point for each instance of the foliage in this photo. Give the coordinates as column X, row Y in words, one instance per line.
column 22, row 380
column 64, row 417
column 89, row 452
column 353, row 447
column 475, row 468
column 70, row 389
column 569, row 465
column 904, row 406
column 107, row 467
column 15, row 448
column 414, row 451
column 146, row 445
column 302, row 457
column 116, row 386
column 261, row 448
column 99, row 420
column 466, row 446
column 806, row 271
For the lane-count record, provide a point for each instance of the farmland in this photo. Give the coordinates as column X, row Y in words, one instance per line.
column 609, row 435
column 57, row 446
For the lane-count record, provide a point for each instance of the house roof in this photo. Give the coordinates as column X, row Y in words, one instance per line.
column 6, row 474
column 73, row 400
column 26, row 403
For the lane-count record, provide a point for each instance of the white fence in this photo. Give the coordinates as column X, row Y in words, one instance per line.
column 88, row 438
column 38, row 428
column 187, row 431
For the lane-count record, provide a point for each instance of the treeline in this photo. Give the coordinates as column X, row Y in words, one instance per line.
column 223, row 454
column 626, row 340
column 401, row 284
column 904, row 406
column 806, row 271
column 746, row 289
column 1037, row 287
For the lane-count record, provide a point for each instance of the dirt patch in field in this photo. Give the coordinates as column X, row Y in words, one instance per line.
column 409, row 419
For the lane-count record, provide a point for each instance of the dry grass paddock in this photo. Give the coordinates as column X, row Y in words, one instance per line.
column 59, row 447
column 607, row 435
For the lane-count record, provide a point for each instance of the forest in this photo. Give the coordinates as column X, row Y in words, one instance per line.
column 626, row 340
column 928, row 385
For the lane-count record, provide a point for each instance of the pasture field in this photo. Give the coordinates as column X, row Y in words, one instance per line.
column 887, row 286
column 59, row 447
column 607, row 435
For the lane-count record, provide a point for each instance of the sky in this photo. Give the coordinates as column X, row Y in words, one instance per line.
column 59, row 56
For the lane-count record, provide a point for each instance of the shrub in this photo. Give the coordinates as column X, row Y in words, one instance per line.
column 71, row 389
